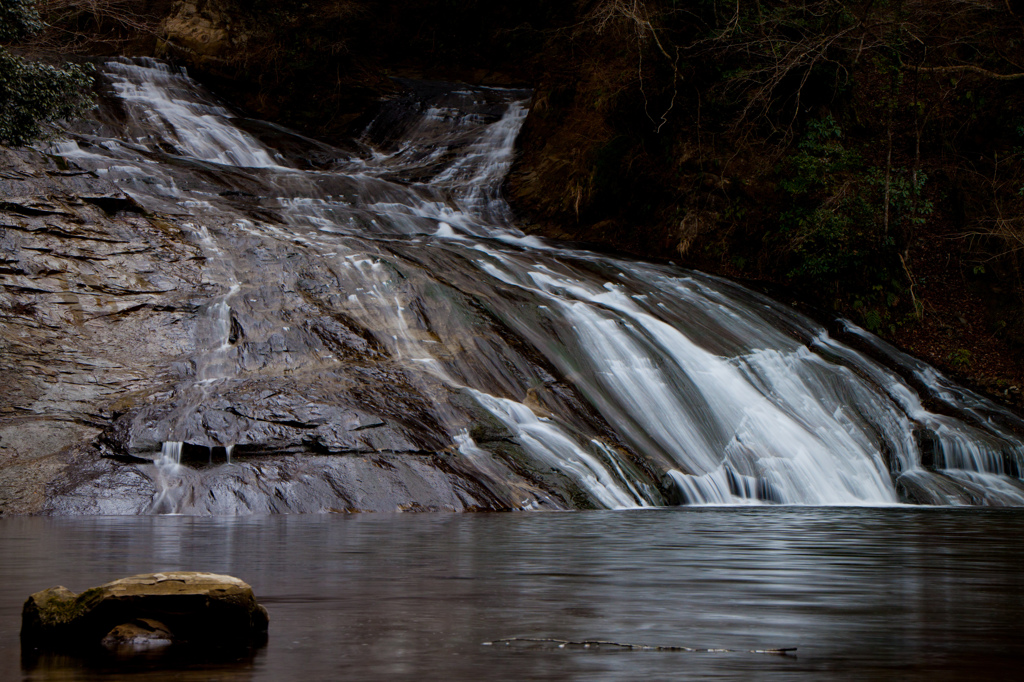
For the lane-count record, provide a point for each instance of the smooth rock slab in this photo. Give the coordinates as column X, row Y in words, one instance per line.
column 179, row 607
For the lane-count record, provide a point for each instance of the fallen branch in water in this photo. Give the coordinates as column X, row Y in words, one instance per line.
column 587, row 643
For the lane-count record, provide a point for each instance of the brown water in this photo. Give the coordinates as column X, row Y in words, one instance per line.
column 908, row 593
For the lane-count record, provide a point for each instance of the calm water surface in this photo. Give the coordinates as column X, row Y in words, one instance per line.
column 916, row 594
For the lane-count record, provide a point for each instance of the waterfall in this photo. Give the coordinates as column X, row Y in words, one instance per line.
column 388, row 291
column 170, row 454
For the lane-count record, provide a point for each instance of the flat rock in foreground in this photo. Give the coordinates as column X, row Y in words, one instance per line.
column 153, row 609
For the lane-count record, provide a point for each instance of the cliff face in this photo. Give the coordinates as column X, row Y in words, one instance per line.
column 865, row 158
column 96, row 295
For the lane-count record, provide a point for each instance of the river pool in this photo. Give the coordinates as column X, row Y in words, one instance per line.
column 864, row 593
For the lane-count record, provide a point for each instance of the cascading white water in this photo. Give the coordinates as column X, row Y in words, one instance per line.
column 553, row 446
column 170, row 454
column 755, row 419
column 167, row 477
column 196, row 129
column 732, row 397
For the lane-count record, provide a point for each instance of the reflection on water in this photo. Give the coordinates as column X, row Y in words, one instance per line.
column 864, row 593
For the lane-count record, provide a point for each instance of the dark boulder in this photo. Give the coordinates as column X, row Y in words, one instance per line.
column 146, row 611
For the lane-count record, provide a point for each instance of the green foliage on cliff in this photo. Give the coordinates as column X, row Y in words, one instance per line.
column 845, row 222
column 844, row 213
column 34, row 95
column 18, row 19
column 829, row 228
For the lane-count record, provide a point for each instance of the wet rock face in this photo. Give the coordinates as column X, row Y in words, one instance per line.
column 289, row 484
column 95, row 297
column 292, row 368
column 146, row 611
column 109, row 315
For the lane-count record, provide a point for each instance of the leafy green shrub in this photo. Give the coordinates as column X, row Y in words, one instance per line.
column 18, row 18
column 827, row 231
column 960, row 359
column 846, row 221
column 33, row 95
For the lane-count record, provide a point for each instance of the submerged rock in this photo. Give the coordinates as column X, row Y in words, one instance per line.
column 140, row 634
column 146, row 611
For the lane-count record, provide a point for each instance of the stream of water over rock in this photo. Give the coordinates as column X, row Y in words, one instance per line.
column 370, row 331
